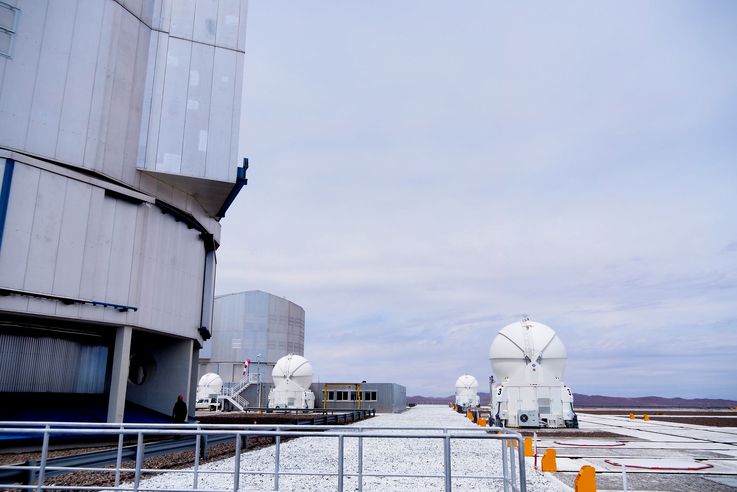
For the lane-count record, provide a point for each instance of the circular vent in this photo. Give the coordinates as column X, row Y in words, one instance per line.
column 523, row 418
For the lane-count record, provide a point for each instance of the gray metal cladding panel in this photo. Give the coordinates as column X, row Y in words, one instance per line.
column 182, row 18
column 221, row 114
column 251, row 323
column 69, row 238
column 231, row 17
column 197, row 111
column 46, row 103
column 92, row 85
column 174, row 105
column 18, row 226
column 16, row 91
column 80, row 81
column 205, row 21
column 54, row 365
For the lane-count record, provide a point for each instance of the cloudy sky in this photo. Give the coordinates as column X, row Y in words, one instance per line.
column 424, row 173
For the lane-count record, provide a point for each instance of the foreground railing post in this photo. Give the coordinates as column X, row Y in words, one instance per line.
column 340, row 463
column 237, row 464
column 446, row 461
column 119, row 457
column 196, row 476
column 522, row 470
column 277, row 447
column 624, row 477
column 360, row 459
column 44, row 455
column 512, row 467
column 505, row 476
column 139, row 461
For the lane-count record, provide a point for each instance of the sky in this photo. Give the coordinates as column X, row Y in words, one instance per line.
column 423, row 173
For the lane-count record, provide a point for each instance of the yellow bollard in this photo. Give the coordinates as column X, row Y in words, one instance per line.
column 585, row 480
column 548, row 462
column 528, row 447
column 646, row 418
column 632, row 415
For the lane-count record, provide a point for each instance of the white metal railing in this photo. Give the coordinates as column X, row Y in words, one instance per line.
column 233, row 393
column 513, row 476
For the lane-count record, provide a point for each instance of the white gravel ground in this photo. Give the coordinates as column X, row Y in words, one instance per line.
column 393, row 456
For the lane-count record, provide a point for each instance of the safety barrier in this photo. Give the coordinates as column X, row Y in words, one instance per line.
column 513, row 476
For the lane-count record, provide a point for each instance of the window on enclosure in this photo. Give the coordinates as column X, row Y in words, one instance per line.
column 369, row 395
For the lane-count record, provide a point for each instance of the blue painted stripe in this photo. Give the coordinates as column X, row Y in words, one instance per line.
column 5, row 195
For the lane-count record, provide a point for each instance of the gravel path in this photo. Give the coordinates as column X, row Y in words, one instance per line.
column 394, row 456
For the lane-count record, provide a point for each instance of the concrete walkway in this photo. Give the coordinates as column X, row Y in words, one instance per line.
column 658, row 455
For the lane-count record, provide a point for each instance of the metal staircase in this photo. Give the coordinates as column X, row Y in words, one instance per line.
column 234, row 395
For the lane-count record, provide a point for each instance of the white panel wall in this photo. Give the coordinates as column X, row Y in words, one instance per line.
column 198, row 110
column 19, row 78
column 194, row 116
column 66, row 237
column 46, row 103
column 80, row 81
column 221, row 114
column 92, row 85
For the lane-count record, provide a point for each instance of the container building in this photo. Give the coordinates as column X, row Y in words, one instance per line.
column 382, row 397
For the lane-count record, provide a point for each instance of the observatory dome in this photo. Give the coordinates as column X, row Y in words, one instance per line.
column 209, row 384
column 467, row 382
column 527, row 342
column 295, row 368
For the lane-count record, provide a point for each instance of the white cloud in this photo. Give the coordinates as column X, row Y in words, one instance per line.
column 421, row 176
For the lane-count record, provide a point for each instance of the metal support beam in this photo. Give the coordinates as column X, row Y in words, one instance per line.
column 240, row 182
column 119, row 376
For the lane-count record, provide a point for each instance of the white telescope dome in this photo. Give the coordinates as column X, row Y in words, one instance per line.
column 209, row 384
column 467, row 383
column 294, row 368
column 527, row 343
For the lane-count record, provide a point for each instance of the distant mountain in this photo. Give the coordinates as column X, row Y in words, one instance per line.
column 605, row 401
column 649, row 402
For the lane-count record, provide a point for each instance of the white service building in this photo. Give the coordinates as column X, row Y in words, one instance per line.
column 119, row 123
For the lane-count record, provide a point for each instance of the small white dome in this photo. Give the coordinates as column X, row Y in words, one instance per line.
column 209, row 384
column 527, row 342
column 467, row 382
column 294, row 368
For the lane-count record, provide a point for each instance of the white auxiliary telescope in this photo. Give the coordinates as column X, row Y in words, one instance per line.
column 467, row 391
column 292, row 377
column 528, row 360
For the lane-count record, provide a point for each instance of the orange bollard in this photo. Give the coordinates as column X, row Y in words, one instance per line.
column 509, row 443
column 548, row 462
column 482, row 422
column 585, row 480
column 632, row 415
column 528, row 447
column 646, row 418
